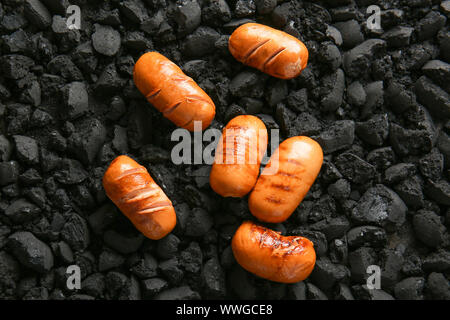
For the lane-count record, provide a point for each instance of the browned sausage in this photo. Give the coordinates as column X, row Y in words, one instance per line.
column 132, row 189
column 295, row 165
column 172, row 92
column 272, row 256
column 269, row 50
column 238, row 156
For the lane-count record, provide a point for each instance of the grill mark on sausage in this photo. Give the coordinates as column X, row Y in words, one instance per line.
column 272, row 57
column 153, row 94
column 140, row 194
column 171, row 109
column 197, row 98
column 287, row 174
column 154, row 207
column 272, row 199
column 131, row 171
column 254, row 49
column 281, row 186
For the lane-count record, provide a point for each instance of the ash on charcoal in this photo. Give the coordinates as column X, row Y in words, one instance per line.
column 30, row 251
column 21, row 211
column 366, row 236
column 380, row 205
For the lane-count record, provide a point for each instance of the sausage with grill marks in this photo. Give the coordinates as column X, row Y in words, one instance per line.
column 286, row 179
column 238, row 156
column 135, row 193
column 272, row 256
column 269, row 50
column 172, row 92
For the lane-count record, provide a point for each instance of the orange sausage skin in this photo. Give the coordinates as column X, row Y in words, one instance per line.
column 133, row 191
column 286, row 179
column 269, row 50
column 272, row 256
column 238, row 156
column 172, row 92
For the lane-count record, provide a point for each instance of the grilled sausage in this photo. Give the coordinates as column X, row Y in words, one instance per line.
column 132, row 189
column 269, row 50
column 272, row 256
column 172, row 92
column 238, row 156
column 294, row 166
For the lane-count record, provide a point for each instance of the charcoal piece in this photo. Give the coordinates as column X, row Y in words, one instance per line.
column 359, row 260
column 357, row 61
column 326, row 274
column 171, row 270
column 134, row 10
column 439, row 72
column 179, row 293
column 37, row 14
column 333, row 99
column 109, row 259
column 398, row 37
column 213, row 277
column 146, row 267
column 429, row 228
column 21, row 211
column 27, row 149
column 430, row 25
column 76, row 100
column 124, row 244
column 433, row 97
column 374, row 131
column 366, row 236
column 354, row 168
column 438, row 286
column 351, row 33
column 153, row 286
column 167, row 247
column 382, row 206
column 62, row 65
column 410, row 190
column 76, row 232
column 201, row 42
column 199, row 223
column 106, row 40
column 216, row 13
column 15, row 66
column 9, row 172
column 188, row 16
column 439, row 191
column 30, row 251
column 399, row 172
column 339, row 135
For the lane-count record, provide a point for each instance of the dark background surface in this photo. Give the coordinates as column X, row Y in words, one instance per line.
column 376, row 100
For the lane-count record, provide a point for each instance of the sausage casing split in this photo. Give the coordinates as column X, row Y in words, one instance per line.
column 294, row 165
column 172, row 92
column 133, row 191
column 269, row 50
column 238, row 156
column 272, row 256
